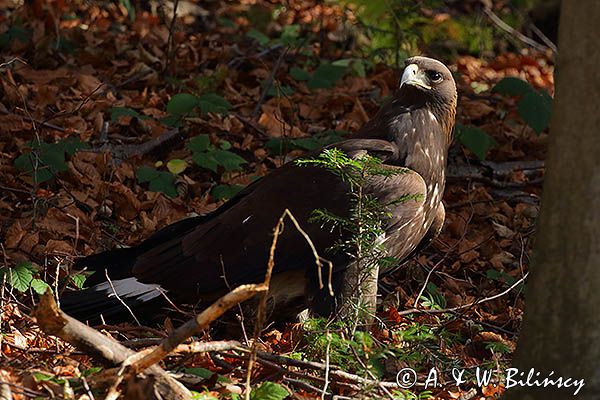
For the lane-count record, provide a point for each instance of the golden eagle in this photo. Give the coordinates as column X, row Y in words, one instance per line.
column 197, row 259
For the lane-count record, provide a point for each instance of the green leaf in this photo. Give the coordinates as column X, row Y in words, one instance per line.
column 358, row 68
column 78, row 280
column 289, row 35
column 117, row 112
column 220, row 192
column 205, row 374
column 212, row 102
column 146, row 174
column 25, row 163
column 39, row 286
column 226, row 22
column 164, row 183
column 171, row 120
column 54, row 158
column 129, row 7
column 326, row 75
column 91, row 371
column 536, row 110
column 269, row 391
column 182, row 104
column 20, row 277
column 202, row 396
column 260, row 37
column 278, row 145
column 299, row 74
column 46, row 160
column 230, row 161
column 476, row 140
column 200, row 372
column 225, row 145
column 159, row 181
column 176, row 166
column 277, row 90
column 199, row 143
column 511, row 86
column 72, row 145
column 205, row 160
column 42, row 377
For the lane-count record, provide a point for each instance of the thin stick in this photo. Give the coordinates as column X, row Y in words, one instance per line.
column 170, row 39
column 509, row 29
column 120, row 299
column 270, row 265
column 269, row 82
column 544, row 38
column 197, row 324
column 324, row 391
column 458, row 308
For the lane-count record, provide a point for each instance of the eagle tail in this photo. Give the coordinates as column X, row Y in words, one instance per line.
column 113, row 294
column 114, row 301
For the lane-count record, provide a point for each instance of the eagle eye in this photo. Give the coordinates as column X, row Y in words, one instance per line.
column 434, row 76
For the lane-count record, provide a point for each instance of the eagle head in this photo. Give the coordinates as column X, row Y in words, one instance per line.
column 428, row 82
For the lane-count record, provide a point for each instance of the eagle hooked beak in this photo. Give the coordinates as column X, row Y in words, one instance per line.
column 413, row 76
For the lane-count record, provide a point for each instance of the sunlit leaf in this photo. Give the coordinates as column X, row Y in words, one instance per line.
column 78, row 280
column 176, row 166
column 269, row 391
column 39, row 286
column 20, row 276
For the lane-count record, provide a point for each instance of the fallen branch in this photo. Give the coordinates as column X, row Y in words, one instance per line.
column 125, row 151
column 143, row 378
column 103, row 348
column 193, row 326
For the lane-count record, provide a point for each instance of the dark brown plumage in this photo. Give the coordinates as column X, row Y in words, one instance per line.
column 197, row 259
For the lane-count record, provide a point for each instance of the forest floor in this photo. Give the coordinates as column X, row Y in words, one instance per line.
column 101, row 90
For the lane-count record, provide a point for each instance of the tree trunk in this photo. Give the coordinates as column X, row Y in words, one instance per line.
column 561, row 330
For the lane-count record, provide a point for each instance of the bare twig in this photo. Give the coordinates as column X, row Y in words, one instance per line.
column 509, row 29
column 126, row 151
column 269, row 83
column 120, row 299
column 11, row 62
column 544, row 38
column 464, row 306
column 270, row 265
column 170, row 39
column 324, row 390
